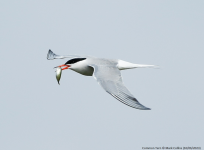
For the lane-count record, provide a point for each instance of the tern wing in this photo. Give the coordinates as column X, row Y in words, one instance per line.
column 51, row 56
column 109, row 77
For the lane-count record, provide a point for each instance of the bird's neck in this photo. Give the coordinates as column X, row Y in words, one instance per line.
column 122, row 65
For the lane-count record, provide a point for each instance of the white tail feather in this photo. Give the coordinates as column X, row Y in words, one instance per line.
column 122, row 65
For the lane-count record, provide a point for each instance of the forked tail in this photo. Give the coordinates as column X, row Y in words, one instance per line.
column 122, row 65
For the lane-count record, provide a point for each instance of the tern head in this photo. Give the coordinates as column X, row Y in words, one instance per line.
column 71, row 63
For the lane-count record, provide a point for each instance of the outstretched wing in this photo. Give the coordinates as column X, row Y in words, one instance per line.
column 51, row 56
column 109, row 77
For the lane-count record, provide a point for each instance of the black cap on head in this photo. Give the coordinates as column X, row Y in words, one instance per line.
column 73, row 61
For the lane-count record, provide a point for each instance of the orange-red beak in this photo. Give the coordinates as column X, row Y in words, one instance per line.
column 65, row 66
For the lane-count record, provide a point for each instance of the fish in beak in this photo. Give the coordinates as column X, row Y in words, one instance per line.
column 59, row 71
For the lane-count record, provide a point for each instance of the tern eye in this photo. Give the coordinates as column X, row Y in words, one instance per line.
column 72, row 61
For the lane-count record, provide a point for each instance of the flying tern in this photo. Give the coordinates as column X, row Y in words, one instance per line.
column 106, row 72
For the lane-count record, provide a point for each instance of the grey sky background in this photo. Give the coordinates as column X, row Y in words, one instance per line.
column 38, row 114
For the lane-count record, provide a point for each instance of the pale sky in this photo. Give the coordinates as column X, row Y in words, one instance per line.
column 38, row 114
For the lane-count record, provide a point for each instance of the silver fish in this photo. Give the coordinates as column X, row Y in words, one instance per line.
column 58, row 74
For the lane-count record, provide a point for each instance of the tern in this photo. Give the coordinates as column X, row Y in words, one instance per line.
column 106, row 72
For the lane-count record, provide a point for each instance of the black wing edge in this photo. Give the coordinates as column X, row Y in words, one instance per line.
column 137, row 105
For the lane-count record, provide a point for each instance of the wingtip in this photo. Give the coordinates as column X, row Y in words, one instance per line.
column 50, row 55
column 144, row 108
column 50, row 51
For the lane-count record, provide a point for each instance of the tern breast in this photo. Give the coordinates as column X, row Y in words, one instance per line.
column 83, row 68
